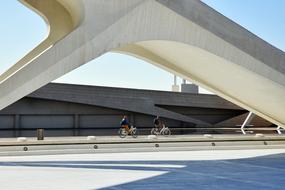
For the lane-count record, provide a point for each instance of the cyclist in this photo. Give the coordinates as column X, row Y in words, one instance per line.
column 125, row 123
column 157, row 123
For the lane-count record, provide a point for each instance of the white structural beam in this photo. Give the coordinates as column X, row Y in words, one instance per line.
column 247, row 121
column 185, row 37
column 280, row 130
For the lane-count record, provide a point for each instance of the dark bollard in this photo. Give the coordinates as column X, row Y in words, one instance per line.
column 40, row 134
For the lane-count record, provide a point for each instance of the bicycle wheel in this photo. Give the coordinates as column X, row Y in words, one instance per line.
column 166, row 132
column 154, row 131
column 134, row 133
column 122, row 133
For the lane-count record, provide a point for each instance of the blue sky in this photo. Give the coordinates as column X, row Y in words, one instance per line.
column 22, row 29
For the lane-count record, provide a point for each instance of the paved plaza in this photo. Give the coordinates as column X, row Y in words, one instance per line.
column 215, row 170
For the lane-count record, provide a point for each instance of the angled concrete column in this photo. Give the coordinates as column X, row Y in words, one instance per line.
column 185, row 37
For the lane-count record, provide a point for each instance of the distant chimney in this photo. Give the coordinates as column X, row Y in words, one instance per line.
column 175, row 87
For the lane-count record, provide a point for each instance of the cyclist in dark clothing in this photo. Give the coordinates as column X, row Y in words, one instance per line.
column 125, row 123
column 157, row 122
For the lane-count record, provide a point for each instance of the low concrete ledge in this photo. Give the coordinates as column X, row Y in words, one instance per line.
column 151, row 137
column 208, row 136
column 259, row 135
column 22, row 139
column 91, row 138
column 140, row 139
column 91, row 148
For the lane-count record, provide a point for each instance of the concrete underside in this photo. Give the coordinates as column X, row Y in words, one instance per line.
column 185, row 37
column 220, row 75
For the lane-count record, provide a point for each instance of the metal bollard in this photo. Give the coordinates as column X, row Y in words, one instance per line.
column 40, row 134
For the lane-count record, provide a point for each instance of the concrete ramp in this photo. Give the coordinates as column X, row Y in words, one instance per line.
column 185, row 37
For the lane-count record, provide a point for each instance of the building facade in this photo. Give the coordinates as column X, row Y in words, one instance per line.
column 79, row 110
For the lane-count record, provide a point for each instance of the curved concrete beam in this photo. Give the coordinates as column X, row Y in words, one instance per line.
column 60, row 22
column 184, row 36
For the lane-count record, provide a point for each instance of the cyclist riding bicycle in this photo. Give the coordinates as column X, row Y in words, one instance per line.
column 125, row 123
column 159, row 128
column 157, row 123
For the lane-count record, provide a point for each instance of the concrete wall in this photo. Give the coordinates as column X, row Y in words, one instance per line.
column 67, row 119
column 73, row 110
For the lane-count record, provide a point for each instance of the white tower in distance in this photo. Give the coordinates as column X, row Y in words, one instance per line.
column 175, row 87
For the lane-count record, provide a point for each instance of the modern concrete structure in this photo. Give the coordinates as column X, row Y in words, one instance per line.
column 185, row 37
column 189, row 88
column 76, row 110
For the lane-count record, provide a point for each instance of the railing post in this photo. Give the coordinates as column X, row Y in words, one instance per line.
column 40, row 134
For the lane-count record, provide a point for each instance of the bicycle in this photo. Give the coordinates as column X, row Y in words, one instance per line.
column 132, row 131
column 165, row 131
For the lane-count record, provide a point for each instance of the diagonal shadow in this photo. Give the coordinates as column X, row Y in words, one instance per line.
column 260, row 173
column 266, row 172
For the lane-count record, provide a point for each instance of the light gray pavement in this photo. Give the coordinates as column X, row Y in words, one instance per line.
column 175, row 162
column 148, row 170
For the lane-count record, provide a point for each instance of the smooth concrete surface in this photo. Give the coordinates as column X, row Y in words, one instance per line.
column 200, row 170
column 185, row 37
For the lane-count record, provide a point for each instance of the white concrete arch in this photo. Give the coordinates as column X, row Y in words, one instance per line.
column 60, row 21
column 228, row 80
column 184, row 36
